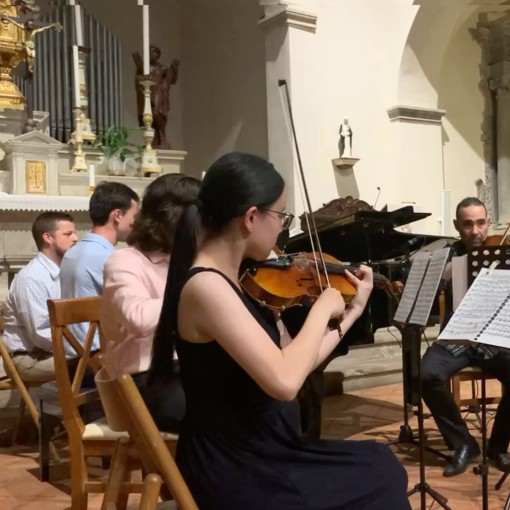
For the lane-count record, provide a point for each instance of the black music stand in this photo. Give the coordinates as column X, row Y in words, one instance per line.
column 497, row 257
column 413, row 313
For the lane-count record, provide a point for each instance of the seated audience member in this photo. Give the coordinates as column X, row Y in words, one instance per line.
column 134, row 285
column 443, row 359
column 112, row 209
column 27, row 332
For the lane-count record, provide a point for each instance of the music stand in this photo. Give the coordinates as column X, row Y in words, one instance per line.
column 413, row 313
column 496, row 257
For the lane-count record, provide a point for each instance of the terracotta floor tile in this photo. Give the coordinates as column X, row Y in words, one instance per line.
column 374, row 413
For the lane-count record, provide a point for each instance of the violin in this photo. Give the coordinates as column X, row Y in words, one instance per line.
column 298, row 280
column 498, row 240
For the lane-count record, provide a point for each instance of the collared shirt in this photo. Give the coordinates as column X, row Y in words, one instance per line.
column 81, row 274
column 483, row 351
column 26, row 318
column 134, row 286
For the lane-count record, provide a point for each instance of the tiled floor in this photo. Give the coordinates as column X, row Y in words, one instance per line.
column 366, row 414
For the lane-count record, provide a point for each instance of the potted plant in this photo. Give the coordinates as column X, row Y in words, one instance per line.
column 114, row 144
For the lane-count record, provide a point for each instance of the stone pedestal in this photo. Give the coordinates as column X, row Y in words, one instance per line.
column 344, row 177
column 345, row 163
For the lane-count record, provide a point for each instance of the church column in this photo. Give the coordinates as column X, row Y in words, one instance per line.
column 290, row 55
column 493, row 36
column 418, row 166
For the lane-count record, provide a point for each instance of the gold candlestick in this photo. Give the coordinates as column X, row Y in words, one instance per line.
column 149, row 163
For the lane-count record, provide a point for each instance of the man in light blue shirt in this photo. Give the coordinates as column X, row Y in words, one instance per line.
column 112, row 209
column 27, row 332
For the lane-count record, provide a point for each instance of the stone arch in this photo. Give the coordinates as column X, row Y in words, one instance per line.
column 422, row 60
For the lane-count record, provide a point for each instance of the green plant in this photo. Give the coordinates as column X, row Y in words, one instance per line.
column 114, row 143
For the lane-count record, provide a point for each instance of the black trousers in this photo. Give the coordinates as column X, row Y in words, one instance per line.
column 166, row 402
column 437, row 365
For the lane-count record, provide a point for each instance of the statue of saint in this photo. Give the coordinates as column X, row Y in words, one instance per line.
column 345, row 142
column 31, row 30
column 163, row 77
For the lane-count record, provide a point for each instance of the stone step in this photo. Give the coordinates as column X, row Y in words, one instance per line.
column 372, row 365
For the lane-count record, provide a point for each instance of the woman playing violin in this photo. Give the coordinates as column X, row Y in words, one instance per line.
column 237, row 449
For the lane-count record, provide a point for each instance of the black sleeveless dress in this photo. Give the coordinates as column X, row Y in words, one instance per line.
column 237, row 449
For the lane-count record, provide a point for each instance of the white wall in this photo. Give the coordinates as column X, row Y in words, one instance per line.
column 460, row 96
column 223, row 81
column 359, row 44
column 370, row 56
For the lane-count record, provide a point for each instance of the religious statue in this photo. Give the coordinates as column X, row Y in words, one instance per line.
column 163, row 77
column 30, row 32
column 345, row 142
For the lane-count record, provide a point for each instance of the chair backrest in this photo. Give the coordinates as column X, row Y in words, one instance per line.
column 62, row 313
column 124, row 406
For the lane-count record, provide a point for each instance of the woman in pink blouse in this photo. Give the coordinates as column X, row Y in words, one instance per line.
column 134, row 285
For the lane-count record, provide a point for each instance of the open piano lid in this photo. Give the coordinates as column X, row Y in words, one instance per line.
column 351, row 230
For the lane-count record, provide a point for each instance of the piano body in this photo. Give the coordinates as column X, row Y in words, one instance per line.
column 353, row 232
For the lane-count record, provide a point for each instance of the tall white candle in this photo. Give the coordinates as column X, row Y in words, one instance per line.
column 146, row 44
column 92, row 176
column 78, row 25
column 76, row 74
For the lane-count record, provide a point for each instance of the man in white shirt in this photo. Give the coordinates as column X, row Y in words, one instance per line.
column 27, row 331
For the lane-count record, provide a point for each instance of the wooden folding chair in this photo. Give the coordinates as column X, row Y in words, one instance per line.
column 94, row 439
column 126, row 410
column 13, row 381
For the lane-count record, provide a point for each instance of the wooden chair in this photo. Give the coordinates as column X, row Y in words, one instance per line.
column 473, row 375
column 126, row 410
column 13, row 381
column 94, row 439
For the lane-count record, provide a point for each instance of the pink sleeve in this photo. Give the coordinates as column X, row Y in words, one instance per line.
column 127, row 296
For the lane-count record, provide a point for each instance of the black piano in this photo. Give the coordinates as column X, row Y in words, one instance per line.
column 353, row 232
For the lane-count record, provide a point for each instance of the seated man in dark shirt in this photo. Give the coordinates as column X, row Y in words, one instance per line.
column 444, row 359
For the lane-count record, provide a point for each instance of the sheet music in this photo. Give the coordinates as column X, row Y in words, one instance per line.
column 498, row 331
column 412, row 286
column 429, row 287
column 485, row 296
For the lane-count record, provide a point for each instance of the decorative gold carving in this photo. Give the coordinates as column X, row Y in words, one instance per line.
column 35, row 176
column 12, row 51
column 335, row 209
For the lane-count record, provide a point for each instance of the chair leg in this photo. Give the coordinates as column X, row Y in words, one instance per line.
column 504, row 476
column 19, row 419
column 150, row 495
column 79, row 477
column 44, row 447
column 119, row 471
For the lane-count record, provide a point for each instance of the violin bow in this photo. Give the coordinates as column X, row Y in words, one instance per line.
column 312, row 228
column 503, row 239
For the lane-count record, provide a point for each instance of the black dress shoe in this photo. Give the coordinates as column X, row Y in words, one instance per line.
column 500, row 460
column 460, row 459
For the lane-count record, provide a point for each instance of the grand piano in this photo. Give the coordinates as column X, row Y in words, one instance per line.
column 352, row 231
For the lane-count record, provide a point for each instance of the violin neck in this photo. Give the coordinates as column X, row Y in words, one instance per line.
column 333, row 268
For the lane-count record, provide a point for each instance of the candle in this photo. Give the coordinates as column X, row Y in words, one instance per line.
column 77, row 24
column 146, row 44
column 203, row 175
column 92, row 176
column 76, row 74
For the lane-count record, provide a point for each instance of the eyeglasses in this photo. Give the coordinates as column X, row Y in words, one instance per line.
column 285, row 217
